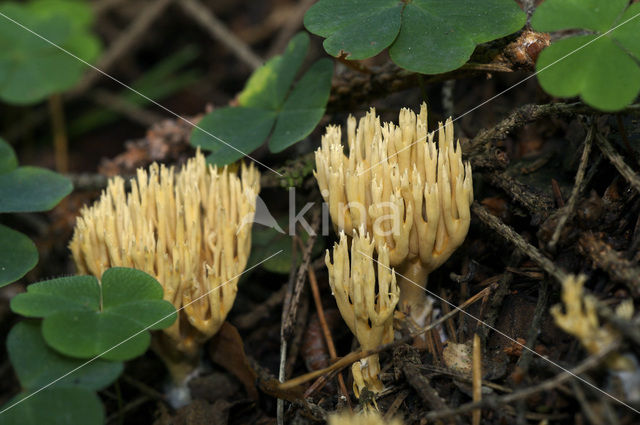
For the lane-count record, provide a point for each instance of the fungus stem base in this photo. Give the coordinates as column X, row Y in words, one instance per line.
column 412, row 279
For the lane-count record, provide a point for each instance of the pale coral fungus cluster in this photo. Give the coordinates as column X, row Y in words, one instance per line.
column 366, row 308
column 407, row 191
column 409, row 197
column 580, row 319
column 185, row 229
column 367, row 417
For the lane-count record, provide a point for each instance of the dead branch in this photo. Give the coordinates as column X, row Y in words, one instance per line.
column 123, row 44
column 608, row 259
column 618, row 162
column 512, row 236
column 219, row 31
column 548, row 385
column 578, row 187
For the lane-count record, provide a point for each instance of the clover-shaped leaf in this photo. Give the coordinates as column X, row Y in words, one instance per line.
column 37, row 365
column 18, row 255
column 602, row 67
column 30, row 67
column 54, row 406
column 84, row 318
column 28, row 189
column 23, row 189
column 427, row 36
column 269, row 105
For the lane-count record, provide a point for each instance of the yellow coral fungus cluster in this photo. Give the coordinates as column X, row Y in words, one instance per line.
column 368, row 417
column 580, row 319
column 409, row 193
column 183, row 228
column 367, row 308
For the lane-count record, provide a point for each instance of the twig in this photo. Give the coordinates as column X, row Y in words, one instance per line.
column 216, row 28
column 290, row 308
column 584, row 404
column 538, row 204
column 283, row 340
column 578, row 187
column 476, row 415
column 124, row 43
column 509, row 234
column 289, row 317
column 422, row 386
column 618, row 161
column 290, row 26
column 548, row 385
column 297, row 334
column 498, row 297
column 325, row 329
column 608, row 259
column 529, row 113
column 534, row 330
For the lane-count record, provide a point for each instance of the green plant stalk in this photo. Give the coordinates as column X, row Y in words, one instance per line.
column 60, row 140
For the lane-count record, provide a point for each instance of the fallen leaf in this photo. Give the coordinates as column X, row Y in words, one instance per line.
column 227, row 350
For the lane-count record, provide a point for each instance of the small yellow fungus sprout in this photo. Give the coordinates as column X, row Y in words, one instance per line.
column 186, row 229
column 580, row 319
column 410, row 194
column 367, row 308
column 366, row 417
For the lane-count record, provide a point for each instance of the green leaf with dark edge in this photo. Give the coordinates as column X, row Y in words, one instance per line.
column 602, row 68
column 84, row 319
column 427, row 36
column 438, row 36
column 31, row 68
column 268, row 100
column 268, row 85
column 54, row 406
column 18, row 255
column 360, row 29
column 28, row 189
column 37, row 365
column 304, row 107
column 243, row 128
column 8, row 160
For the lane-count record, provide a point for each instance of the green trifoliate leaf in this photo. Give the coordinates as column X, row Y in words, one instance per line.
column 18, row 255
column 37, row 365
column 54, row 406
column 31, row 66
column 269, row 106
column 603, row 68
column 83, row 318
column 427, row 36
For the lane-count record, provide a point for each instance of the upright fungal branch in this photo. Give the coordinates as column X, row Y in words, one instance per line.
column 186, row 229
column 580, row 319
column 367, row 308
column 410, row 194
